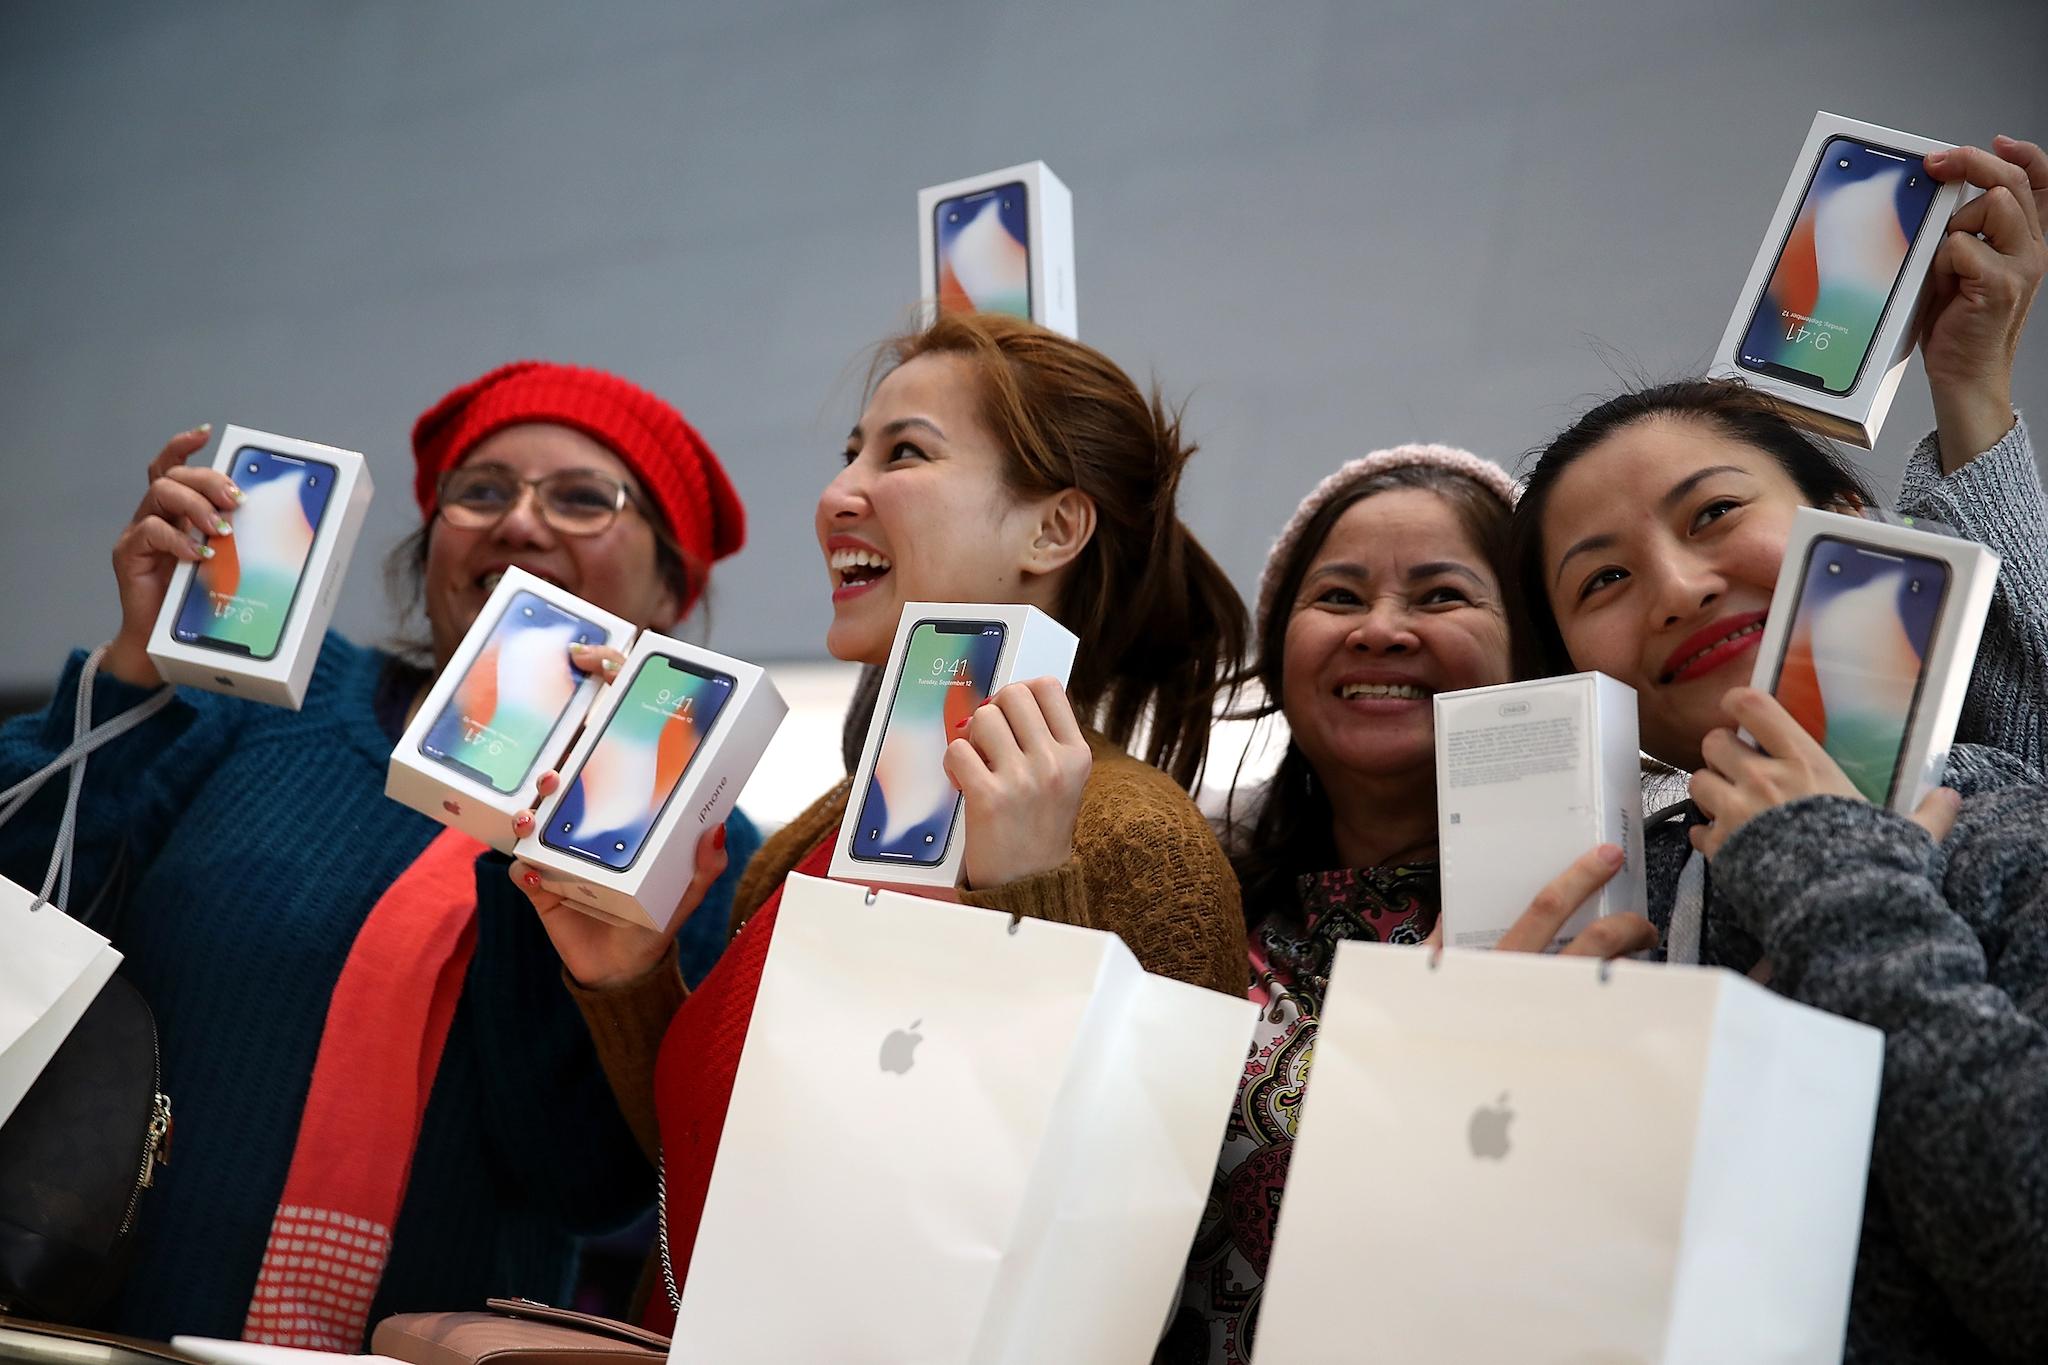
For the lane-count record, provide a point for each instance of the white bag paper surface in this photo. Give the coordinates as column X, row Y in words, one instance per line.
column 1571, row 1166
column 24, row 1060
column 41, row 953
column 51, row 968
column 952, row 1142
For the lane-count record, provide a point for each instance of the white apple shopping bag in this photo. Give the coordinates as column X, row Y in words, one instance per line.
column 51, row 968
column 956, row 1139
column 1573, row 1162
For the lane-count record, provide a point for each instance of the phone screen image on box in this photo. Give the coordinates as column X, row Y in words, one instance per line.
column 240, row 600
column 513, row 694
column 984, row 254
column 908, row 810
column 1857, row 655
column 636, row 765
column 1839, row 267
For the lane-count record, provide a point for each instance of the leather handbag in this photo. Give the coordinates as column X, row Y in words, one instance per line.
column 516, row 1332
column 75, row 1157
column 86, row 1139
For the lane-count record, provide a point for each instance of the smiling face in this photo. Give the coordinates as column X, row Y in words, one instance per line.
column 921, row 513
column 615, row 569
column 1397, row 605
column 1661, row 548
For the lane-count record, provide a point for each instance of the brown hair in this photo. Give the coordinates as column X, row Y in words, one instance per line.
column 1161, row 627
column 1290, row 832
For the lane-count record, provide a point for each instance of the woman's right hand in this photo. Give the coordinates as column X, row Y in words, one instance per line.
column 600, row 952
column 1608, row 936
column 171, row 524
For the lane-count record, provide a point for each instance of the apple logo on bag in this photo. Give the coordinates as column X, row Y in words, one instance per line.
column 452, row 807
column 1488, row 1131
column 899, row 1049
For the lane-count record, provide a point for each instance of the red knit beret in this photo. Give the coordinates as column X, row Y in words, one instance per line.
column 672, row 462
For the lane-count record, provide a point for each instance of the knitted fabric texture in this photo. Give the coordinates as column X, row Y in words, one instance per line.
column 663, row 450
column 1485, row 473
column 245, row 845
column 1945, row 949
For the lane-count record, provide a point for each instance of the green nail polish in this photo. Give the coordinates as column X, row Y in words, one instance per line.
column 206, row 552
column 221, row 525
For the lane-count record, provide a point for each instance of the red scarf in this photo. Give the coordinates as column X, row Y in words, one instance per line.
column 694, row 1077
column 379, row 1049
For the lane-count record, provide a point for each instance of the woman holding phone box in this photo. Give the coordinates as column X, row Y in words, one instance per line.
column 311, row 948
column 1647, row 545
column 1383, row 589
column 996, row 462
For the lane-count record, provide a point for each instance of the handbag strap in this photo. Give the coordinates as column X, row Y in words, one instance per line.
column 668, row 1269
column 85, row 737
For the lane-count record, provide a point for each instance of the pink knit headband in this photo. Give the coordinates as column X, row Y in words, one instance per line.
column 1485, row 473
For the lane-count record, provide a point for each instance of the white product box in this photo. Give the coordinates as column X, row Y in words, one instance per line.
column 1870, row 643
column 503, row 710
column 662, row 758
column 1845, row 263
column 1529, row 777
column 249, row 621
column 947, row 658
column 976, row 222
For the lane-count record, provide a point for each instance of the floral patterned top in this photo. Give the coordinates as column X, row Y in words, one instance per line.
column 1291, row 953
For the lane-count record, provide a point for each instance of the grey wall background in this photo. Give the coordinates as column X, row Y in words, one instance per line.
column 1330, row 226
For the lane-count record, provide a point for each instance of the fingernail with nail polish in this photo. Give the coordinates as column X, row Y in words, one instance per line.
column 718, row 839
column 532, row 880
column 206, row 552
column 221, row 527
column 235, row 492
column 611, row 666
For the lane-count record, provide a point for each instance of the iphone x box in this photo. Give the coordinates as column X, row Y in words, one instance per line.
column 902, row 828
column 503, row 710
column 662, row 758
column 1000, row 243
column 1870, row 642
column 249, row 621
column 1529, row 777
column 1828, row 315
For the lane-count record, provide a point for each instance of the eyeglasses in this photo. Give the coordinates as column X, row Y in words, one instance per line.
column 575, row 502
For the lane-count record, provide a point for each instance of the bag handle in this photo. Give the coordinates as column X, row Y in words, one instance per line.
column 85, row 738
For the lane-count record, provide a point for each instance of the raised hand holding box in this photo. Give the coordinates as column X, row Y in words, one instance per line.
column 903, row 826
column 1529, row 776
column 249, row 620
column 661, row 760
column 1828, row 315
column 503, row 710
column 1870, row 643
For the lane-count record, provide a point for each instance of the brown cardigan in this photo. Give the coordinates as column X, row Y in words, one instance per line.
column 1145, row 866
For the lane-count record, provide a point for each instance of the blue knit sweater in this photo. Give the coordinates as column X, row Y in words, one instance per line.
column 242, row 847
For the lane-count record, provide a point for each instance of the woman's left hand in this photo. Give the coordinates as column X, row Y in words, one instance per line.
column 1985, row 276
column 1020, row 769
column 1741, row 782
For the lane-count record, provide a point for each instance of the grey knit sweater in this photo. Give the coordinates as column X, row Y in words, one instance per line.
column 1943, row 947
